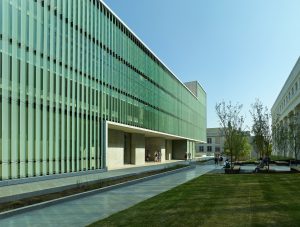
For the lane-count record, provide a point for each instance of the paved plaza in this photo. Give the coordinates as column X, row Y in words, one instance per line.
column 276, row 168
column 83, row 211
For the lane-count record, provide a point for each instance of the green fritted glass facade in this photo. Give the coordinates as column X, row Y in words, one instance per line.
column 67, row 67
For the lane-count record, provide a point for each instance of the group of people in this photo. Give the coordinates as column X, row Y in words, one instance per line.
column 187, row 156
column 262, row 163
column 218, row 160
column 157, row 156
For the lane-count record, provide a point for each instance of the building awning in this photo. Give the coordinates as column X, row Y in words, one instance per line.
column 146, row 132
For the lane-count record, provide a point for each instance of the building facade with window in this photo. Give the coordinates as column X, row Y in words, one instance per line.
column 286, row 112
column 214, row 142
column 81, row 92
column 214, row 145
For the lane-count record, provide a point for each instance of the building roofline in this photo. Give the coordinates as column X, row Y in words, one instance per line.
column 197, row 83
column 280, row 95
column 127, row 27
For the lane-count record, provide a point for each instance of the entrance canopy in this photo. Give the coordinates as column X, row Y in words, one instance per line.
column 146, row 132
column 129, row 145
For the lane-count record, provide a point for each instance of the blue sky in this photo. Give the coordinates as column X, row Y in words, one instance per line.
column 238, row 50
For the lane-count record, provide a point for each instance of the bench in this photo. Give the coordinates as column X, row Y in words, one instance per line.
column 295, row 169
column 235, row 169
column 263, row 169
column 282, row 163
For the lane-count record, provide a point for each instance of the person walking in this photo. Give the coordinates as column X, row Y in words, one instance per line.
column 155, row 156
column 220, row 160
column 216, row 160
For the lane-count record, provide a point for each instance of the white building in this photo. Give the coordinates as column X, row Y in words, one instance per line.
column 287, row 103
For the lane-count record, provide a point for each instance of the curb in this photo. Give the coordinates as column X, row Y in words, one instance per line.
column 60, row 188
column 21, row 210
column 49, row 177
column 19, row 196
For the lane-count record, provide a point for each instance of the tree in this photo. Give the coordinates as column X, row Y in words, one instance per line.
column 294, row 134
column 280, row 136
column 241, row 146
column 231, row 123
column 245, row 148
column 261, row 128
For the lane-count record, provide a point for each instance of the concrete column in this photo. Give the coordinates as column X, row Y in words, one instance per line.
column 138, row 149
column 179, row 149
column 168, row 150
column 287, row 122
column 115, row 151
column 191, row 149
column 127, row 149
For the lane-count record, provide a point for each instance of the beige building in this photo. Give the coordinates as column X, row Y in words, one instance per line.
column 287, row 104
column 215, row 143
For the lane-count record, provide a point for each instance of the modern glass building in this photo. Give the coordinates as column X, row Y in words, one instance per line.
column 80, row 91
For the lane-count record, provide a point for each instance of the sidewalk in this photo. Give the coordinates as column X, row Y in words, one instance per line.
column 23, row 190
column 83, row 211
column 272, row 168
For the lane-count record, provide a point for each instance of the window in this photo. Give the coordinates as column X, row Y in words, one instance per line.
column 209, row 148
column 201, row 148
column 208, row 140
column 217, row 149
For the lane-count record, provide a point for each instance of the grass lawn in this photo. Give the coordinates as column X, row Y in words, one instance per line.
column 219, row 200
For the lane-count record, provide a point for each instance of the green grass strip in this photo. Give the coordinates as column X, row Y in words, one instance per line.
column 219, row 200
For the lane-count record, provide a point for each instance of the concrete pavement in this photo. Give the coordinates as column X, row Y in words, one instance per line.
column 50, row 185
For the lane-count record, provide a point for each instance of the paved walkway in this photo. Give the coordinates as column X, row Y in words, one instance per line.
column 83, row 211
column 251, row 168
column 54, row 184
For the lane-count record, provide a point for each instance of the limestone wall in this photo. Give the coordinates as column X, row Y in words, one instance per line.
column 115, row 150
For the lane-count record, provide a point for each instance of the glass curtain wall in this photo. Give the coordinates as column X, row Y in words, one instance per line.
column 68, row 66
